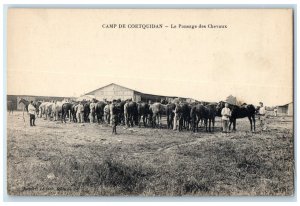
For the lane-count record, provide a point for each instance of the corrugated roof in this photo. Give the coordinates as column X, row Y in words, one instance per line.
column 285, row 104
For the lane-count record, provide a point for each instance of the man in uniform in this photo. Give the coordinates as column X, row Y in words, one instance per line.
column 79, row 113
column 275, row 111
column 126, row 113
column 226, row 113
column 92, row 111
column 262, row 116
column 113, row 117
column 107, row 113
column 32, row 112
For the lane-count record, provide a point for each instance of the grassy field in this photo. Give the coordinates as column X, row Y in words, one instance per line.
column 85, row 159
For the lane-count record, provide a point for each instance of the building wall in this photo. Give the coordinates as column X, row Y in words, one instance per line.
column 111, row 92
column 153, row 98
column 137, row 97
column 12, row 99
column 290, row 110
column 287, row 109
column 282, row 109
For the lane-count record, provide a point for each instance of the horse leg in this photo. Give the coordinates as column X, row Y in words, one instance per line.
column 234, row 125
column 253, row 117
column 187, row 124
column 144, row 118
column 160, row 126
column 195, row 127
column 197, row 124
column 168, row 121
column 139, row 121
column 209, row 125
column 153, row 121
column 180, row 124
column 67, row 113
column 250, row 120
column 131, row 120
column 230, row 122
column 63, row 116
column 158, row 120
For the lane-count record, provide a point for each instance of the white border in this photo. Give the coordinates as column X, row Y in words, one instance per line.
column 49, row 3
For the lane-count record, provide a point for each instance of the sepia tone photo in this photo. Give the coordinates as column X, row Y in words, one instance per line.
column 150, row 102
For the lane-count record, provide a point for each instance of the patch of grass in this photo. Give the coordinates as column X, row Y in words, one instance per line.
column 109, row 173
column 89, row 160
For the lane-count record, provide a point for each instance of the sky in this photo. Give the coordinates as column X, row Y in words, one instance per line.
column 67, row 52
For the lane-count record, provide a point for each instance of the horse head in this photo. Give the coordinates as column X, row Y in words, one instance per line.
column 22, row 100
column 220, row 105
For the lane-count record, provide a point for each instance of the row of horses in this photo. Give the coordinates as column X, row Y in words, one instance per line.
column 187, row 115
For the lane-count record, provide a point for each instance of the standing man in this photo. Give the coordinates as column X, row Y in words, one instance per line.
column 126, row 113
column 107, row 113
column 175, row 116
column 275, row 111
column 113, row 117
column 226, row 113
column 32, row 112
column 262, row 116
column 92, row 111
column 79, row 113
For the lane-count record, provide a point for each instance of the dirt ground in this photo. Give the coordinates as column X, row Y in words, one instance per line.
column 86, row 159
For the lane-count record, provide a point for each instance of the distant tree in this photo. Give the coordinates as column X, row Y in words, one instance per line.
column 231, row 100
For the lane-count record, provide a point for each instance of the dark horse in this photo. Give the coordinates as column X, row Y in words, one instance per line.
column 211, row 115
column 200, row 112
column 25, row 102
column 133, row 117
column 143, row 112
column 183, row 115
column 169, row 109
column 238, row 112
column 100, row 111
column 66, row 110
column 86, row 111
column 120, row 111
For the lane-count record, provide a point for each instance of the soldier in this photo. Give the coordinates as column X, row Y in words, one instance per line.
column 275, row 111
column 92, row 111
column 126, row 113
column 32, row 112
column 113, row 117
column 107, row 113
column 79, row 113
column 262, row 116
column 226, row 113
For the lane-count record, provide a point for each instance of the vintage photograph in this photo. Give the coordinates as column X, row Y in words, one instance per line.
column 150, row 102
